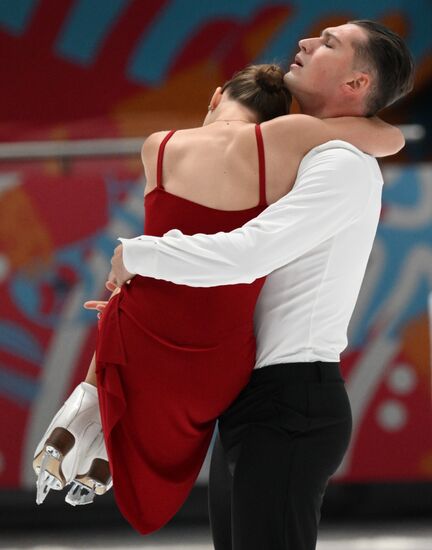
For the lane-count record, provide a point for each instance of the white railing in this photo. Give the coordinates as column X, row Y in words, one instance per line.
column 83, row 148
column 113, row 147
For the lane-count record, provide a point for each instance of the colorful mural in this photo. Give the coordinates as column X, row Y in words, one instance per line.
column 388, row 364
column 54, row 254
column 52, row 261
column 75, row 68
column 131, row 67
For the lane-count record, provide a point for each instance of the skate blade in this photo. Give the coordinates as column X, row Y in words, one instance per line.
column 80, row 493
column 96, row 481
column 98, row 477
column 48, row 463
column 49, row 474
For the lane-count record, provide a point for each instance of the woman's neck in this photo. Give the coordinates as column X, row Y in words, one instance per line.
column 229, row 113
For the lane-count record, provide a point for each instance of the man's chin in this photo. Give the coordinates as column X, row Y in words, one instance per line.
column 289, row 80
column 286, row 78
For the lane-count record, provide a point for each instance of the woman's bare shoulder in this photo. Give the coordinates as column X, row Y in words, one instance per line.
column 152, row 144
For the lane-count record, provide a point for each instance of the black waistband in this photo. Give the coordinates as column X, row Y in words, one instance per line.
column 318, row 371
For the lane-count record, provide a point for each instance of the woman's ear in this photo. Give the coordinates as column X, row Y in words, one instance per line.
column 216, row 99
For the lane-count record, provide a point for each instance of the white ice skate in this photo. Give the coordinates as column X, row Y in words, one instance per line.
column 93, row 475
column 73, row 430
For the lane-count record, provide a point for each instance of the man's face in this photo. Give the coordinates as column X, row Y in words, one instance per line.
column 324, row 63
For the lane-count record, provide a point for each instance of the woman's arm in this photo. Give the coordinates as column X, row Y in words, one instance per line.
column 301, row 133
column 371, row 135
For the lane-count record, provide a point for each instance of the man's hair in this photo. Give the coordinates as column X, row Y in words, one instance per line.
column 386, row 56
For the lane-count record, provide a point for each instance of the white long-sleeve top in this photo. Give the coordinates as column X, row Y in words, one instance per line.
column 314, row 244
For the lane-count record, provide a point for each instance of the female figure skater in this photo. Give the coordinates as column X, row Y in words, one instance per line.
column 170, row 359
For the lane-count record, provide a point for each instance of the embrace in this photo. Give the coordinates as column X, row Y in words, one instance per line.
column 233, row 307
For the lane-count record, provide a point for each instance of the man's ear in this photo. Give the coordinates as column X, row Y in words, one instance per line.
column 216, row 98
column 360, row 83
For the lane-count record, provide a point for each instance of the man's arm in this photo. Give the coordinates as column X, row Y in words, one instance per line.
column 332, row 191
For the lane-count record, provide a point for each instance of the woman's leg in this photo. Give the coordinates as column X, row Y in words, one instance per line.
column 98, row 305
column 74, row 431
column 91, row 373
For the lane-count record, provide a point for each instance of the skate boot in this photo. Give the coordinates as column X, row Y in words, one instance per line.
column 93, row 475
column 71, row 433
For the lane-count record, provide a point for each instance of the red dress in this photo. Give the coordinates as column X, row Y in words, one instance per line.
column 169, row 360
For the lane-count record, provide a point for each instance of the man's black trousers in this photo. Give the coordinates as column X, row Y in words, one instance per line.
column 278, row 444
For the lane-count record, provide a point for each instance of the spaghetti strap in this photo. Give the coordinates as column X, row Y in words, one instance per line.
column 160, row 158
column 261, row 166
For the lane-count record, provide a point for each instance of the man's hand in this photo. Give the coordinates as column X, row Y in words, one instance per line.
column 119, row 274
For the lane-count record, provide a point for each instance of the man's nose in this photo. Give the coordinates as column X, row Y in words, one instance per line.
column 307, row 45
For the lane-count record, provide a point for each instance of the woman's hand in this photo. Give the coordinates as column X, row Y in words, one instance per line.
column 100, row 305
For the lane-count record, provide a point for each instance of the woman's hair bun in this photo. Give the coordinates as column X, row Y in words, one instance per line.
column 269, row 78
column 261, row 89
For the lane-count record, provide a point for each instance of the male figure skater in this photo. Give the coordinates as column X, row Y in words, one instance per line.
column 288, row 430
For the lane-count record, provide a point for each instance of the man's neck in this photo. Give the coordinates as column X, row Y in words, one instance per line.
column 330, row 109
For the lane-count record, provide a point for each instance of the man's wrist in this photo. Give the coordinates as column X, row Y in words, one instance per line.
column 139, row 255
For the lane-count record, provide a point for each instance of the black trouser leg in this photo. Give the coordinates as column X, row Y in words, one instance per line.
column 220, row 485
column 279, row 484
column 283, row 439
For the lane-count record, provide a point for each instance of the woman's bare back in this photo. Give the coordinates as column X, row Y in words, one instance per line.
column 216, row 166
